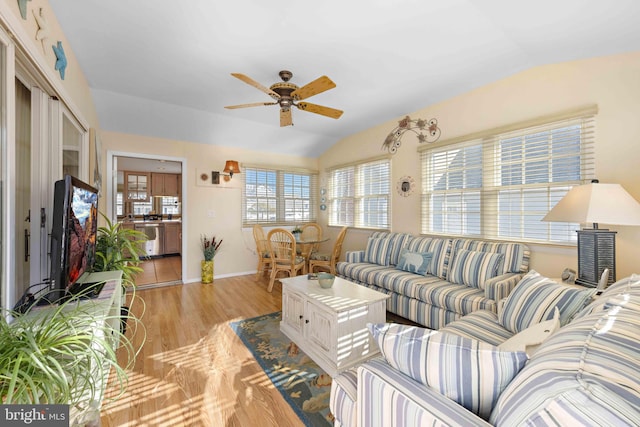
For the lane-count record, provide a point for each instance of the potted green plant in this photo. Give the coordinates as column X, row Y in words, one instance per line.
column 119, row 248
column 209, row 250
column 59, row 355
column 297, row 232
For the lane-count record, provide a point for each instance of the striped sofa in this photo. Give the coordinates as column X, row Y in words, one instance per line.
column 459, row 276
column 586, row 373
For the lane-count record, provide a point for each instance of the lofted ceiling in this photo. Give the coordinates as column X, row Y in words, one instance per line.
column 162, row 67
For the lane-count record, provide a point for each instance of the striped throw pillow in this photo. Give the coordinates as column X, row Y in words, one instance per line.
column 535, row 298
column 471, row 268
column 377, row 251
column 437, row 247
column 470, row 372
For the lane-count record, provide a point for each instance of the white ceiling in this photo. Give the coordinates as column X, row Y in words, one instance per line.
column 162, row 67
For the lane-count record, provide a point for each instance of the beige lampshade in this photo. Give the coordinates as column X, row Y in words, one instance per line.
column 231, row 167
column 596, row 203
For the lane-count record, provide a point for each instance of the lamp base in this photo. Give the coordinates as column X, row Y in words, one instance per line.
column 596, row 252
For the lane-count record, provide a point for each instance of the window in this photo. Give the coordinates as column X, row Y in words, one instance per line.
column 170, row 205
column 500, row 185
column 359, row 195
column 164, row 204
column 456, row 180
column 119, row 204
column 278, row 196
column 141, row 208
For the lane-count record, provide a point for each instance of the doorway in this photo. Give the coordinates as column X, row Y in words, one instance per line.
column 147, row 193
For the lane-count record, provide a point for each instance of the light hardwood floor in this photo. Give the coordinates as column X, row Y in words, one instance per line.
column 163, row 270
column 193, row 370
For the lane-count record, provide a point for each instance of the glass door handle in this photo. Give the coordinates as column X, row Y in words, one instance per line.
column 26, row 245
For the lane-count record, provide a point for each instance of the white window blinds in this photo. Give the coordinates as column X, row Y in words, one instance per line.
column 359, row 195
column 500, row 185
column 278, row 196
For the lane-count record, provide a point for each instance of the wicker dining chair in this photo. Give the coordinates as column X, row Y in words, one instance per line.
column 311, row 231
column 328, row 260
column 262, row 248
column 283, row 255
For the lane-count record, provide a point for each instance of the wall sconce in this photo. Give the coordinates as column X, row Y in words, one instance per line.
column 231, row 167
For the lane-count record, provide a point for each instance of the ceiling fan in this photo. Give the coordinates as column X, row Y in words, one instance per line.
column 288, row 94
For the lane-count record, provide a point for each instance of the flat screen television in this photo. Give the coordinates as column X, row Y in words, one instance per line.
column 73, row 235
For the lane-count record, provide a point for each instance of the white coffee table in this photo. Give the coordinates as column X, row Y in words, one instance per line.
column 330, row 325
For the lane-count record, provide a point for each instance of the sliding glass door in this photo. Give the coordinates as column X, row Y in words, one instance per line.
column 6, row 133
column 39, row 141
column 23, row 214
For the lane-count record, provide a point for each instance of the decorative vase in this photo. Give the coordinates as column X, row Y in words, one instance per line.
column 206, row 269
column 297, row 236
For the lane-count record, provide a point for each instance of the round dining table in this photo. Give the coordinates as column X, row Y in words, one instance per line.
column 306, row 245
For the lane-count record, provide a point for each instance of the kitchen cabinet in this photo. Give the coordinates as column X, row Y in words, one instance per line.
column 172, row 238
column 136, row 186
column 165, row 184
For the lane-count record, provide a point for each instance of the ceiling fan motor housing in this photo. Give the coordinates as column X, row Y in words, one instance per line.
column 284, row 89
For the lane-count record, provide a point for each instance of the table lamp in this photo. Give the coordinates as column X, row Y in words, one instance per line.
column 594, row 203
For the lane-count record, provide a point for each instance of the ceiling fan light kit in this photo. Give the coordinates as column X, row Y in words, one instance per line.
column 287, row 95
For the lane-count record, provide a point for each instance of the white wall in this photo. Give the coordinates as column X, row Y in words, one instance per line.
column 610, row 82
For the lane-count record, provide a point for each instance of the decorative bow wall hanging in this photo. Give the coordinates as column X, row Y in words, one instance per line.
column 426, row 131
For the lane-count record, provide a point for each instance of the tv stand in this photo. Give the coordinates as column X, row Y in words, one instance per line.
column 105, row 308
column 87, row 289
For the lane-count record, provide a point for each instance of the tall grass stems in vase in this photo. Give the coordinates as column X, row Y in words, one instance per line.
column 209, row 250
column 210, row 247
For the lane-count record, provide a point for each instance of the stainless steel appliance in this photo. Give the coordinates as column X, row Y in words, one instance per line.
column 155, row 237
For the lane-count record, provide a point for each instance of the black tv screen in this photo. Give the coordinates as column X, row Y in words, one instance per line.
column 73, row 234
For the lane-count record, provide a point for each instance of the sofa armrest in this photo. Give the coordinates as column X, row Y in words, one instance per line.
column 500, row 287
column 388, row 398
column 354, row 256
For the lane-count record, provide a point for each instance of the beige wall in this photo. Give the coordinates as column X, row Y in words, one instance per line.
column 74, row 85
column 610, row 82
column 237, row 253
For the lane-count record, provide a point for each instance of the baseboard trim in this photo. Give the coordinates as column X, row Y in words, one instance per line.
column 222, row 276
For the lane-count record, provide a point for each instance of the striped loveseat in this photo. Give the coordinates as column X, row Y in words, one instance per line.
column 584, row 372
column 432, row 280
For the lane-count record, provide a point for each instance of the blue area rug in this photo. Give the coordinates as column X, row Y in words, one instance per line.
column 303, row 384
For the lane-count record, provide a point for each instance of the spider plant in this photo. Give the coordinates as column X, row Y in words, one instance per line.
column 61, row 354
column 119, row 248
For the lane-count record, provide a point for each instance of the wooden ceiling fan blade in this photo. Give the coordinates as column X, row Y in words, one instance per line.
column 285, row 117
column 320, row 109
column 317, row 86
column 255, row 104
column 251, row 82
